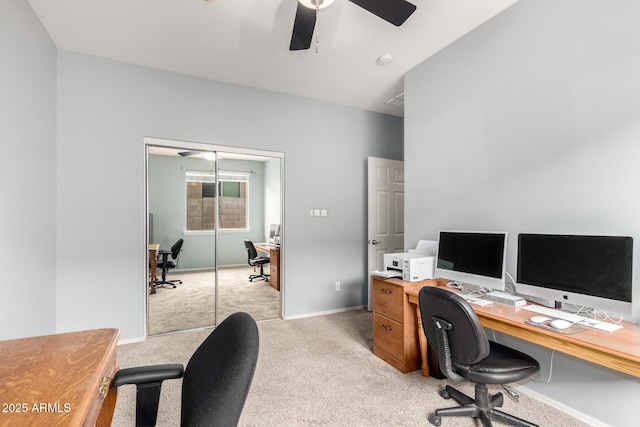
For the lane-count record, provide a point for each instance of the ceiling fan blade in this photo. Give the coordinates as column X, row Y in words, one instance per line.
column 303, row 27
column 189, row 153
column 393, row 11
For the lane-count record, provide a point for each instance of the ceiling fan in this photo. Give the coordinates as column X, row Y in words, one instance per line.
column 392, row 11
column 206, row 154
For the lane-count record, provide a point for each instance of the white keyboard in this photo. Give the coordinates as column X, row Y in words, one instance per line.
column 573, row 318
column 558, row 314
column 475, row 301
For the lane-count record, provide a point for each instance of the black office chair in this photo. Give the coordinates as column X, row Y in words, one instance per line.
column 165, row 264
column 464, row 352
column 254, row 260
column 215, row 382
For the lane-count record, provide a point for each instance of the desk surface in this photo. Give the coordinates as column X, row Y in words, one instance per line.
column 154, row 248
column 618, row 350
column 265, row 247
column 56, row 380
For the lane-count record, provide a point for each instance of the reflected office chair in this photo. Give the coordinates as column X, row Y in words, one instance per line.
column 215, row 383
column 254, row 261
column 166, row 264
column 465, row 353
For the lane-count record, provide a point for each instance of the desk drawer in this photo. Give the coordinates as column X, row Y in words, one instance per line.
column 393, row 361
column 388, row 335
column 388, row 300
column 101, row 399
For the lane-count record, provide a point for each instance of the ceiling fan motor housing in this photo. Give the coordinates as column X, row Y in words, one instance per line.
column 395, row 12
column 311, row 4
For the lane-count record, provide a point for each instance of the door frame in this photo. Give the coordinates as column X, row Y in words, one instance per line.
column 199, row 146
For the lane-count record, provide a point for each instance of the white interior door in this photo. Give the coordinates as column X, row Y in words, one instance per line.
column 386, row 211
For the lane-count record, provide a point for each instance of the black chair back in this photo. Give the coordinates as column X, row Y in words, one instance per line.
column 219, row 374
column 251, row 250
column 175, row 249
column 442, row 308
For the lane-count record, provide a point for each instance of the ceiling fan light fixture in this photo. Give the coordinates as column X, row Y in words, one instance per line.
column 385, row 59
column 311, row 4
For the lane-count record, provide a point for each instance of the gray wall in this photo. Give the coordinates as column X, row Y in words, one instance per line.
column 106, row 108
column 81, row 127
column 167, row 198
column 531, row 123
column 27, row 173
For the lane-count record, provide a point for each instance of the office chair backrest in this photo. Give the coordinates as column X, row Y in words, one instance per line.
column 468, row 341
column 219, row 374
column 251, row 250
column 175, row 249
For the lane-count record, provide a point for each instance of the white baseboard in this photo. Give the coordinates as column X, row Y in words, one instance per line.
column 323, row 313
column 562, row 407
column 195, row 270
column 131, row 341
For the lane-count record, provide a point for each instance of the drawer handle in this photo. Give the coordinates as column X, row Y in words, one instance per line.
column 104, row 386
column 386, row 291
column 387, row 327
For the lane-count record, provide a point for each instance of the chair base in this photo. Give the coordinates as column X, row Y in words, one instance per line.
column 261, row 275
column 483, row 408
column 166, row 283
column 265, row 277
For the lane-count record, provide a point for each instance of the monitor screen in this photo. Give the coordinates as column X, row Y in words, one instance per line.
column 583, row 270
column 473, row 258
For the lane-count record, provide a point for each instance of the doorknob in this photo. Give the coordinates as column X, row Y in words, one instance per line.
column 374, row 242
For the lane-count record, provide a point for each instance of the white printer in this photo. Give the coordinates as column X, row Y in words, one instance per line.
column 414, row 266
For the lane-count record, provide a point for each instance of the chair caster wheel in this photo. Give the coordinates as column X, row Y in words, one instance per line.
column 435, row 419
column 445, row 394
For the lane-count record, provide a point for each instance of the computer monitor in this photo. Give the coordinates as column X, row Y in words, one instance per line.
column 274, row 230
column 476, row 259
column 591, row 271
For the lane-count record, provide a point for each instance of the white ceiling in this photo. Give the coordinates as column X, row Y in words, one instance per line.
column 167, row 151
column 246, row 42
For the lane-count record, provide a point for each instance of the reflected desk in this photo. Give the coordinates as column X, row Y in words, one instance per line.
column 58, row 380
column 618, row 350
column 154, row 250
column 274, row 263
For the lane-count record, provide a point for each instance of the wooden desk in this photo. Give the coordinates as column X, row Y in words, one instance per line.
column 274, row 263
column 58, row 380
column 154, row 249
column 618, row 350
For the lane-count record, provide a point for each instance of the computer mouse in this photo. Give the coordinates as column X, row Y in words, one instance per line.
column 539, row 319
column 560, row 324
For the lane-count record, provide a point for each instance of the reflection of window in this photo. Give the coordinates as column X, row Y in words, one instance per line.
column 201, row 201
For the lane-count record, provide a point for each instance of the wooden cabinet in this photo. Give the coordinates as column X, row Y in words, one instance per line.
column 274, row 263
column 274, row 268
column 395, row 325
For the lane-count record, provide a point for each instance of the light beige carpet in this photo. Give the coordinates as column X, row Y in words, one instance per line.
column 318, row 371
column 191, row 304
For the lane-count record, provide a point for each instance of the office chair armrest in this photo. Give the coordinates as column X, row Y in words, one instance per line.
column 148, row 374
column 148, row 381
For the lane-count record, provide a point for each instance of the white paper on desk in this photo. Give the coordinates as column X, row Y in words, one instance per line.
column 426, row 247
column 387, row 273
